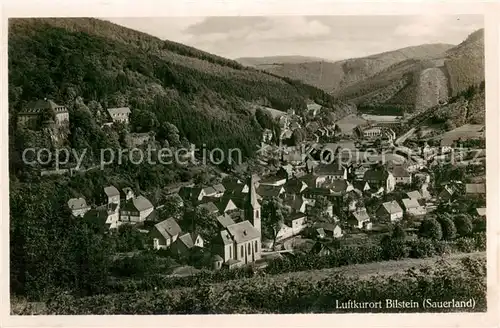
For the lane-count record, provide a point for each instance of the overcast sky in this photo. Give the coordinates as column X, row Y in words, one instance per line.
column 329, row 37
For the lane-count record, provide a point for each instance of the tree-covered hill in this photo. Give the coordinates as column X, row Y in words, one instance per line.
column 204, row 95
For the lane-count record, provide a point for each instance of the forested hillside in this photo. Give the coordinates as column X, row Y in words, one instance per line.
column 202, row 94
column 180, row 93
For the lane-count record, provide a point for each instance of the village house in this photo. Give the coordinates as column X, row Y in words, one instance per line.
column 322, row 249
column 297, row 203
column 294, row 186
column 379, row 177
column 331, row 171
column 226, row 204
column 390, row 212
column 362, row 186
column 413, row 207
column 210, row 207
column 120, row 114
column 126, row 194
column 136, row 210
column 112, row 195
column 78, row 206
column 42, row 113
column 475, row 189
column 134, row 140
column 359, row 219
column 447, row 193
column 266, row 191
column 401, row 175
column 165, row 233
column 370, row 132
column 415, row 194
column 313, row 109
column 185, row 243
column 105, row 215
column 330, row 230
column 292, row 225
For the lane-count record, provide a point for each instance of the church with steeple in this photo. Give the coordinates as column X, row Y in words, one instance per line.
column 240, row 243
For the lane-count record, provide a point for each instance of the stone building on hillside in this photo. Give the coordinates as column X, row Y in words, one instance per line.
column 43, row 113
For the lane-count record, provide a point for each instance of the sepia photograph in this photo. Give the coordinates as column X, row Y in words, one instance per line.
column 268, row 164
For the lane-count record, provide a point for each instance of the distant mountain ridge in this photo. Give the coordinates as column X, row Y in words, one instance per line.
column 334, row 76
column 262, row 62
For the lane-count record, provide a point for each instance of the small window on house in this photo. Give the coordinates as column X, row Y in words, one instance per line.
column 230, row 252
column 249, row 250
column 242, row 251
column 256, row 246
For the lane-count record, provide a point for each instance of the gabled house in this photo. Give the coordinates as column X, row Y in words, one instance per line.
column 415, row 194
column 126, row 194
column 266, row 191
column 120, row 114
column 413, row 207
column 475, row 189
column 390, row 211
column 184, row 243
column 331, row 230
column 362, row 186
column 401, row 175
column 210, row 207
column 322, row 249
column 272, row 181
column 104, row 215
column 112, row 195
column 136, row 210
column 165, row 233
column 297, row 204
column 291, row 226
column 331, row 171
column 380, row 178
column 226, row 204
column 447, row 193
column 359, row 219
column 295, row 186
column 39, row 113
column 78, row 206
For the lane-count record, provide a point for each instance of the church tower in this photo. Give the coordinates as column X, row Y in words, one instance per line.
column 252, row 206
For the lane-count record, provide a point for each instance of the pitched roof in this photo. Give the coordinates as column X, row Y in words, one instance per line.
column 111, row 191
column 219, row 188
column 475, row 188
column 360, row 185
column 329, row 169
column 392, row 207
column 210, row 207
column 187, row 239
column 376, row 174
column 225, row 220
column 481, row 211
column 139, row 203
column 295, row 203
column 118, row 110
column 415, row 194
column 168, row 228
column 42, row 104
column 294, row 185
column 410, row 203
column 77, row 203
column 209, row 190
column 361, row 215
column 294, row 216
column 243, row 231
column 269, row 191
column 225, row 237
